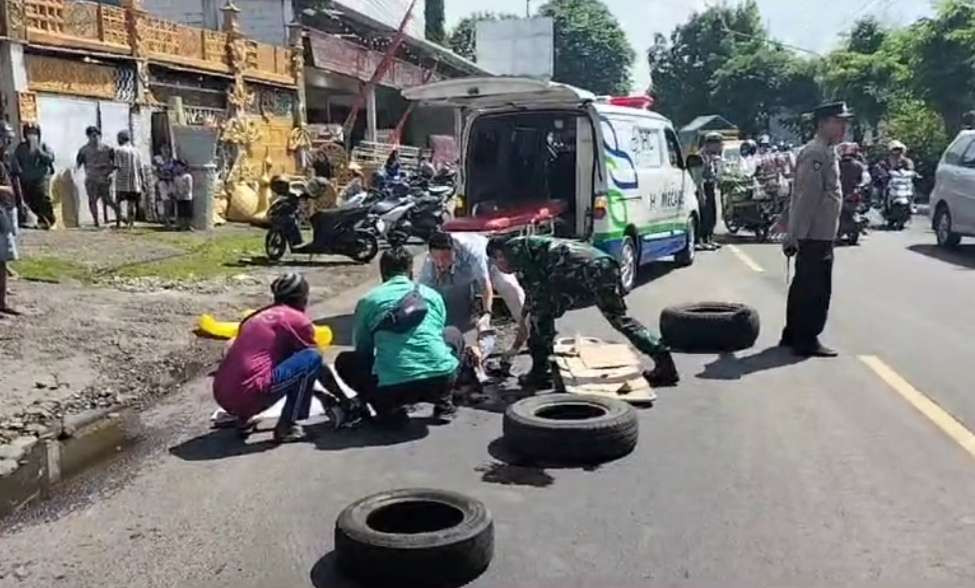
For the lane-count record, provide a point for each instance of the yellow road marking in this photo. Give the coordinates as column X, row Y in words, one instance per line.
column 745, row 259
column 937, row 415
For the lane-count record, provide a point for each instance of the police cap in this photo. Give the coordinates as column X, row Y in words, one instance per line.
column 832, row 110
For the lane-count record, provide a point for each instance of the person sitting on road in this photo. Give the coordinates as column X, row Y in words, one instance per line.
column 561, row 275
column 392, row 367
column 458, row 267
column 275, row 356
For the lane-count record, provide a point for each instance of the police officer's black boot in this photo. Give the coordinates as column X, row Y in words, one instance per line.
column 664, row 371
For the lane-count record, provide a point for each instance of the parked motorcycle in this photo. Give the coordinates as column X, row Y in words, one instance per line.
column 899, row 196
column 341, row 231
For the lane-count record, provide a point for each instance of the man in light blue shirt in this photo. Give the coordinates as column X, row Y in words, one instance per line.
column 459, row 268
column 391, row 369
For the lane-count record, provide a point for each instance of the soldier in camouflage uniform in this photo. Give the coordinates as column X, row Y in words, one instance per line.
column 560, row 275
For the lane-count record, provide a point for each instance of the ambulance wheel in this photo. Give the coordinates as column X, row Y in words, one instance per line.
column 685, row 256
column 629, row 263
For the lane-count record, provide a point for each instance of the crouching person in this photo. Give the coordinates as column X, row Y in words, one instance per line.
column 404, row 353
column 275, row 356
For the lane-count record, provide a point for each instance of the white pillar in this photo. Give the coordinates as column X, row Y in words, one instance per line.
column 372, row 132
column 13, row 79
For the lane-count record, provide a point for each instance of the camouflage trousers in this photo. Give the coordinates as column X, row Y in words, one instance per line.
column 598, row 283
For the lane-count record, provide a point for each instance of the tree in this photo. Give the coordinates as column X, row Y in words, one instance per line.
column 941, row 55
column 684, row 65
column 462, row 39
column 434, row 15
column 868, row 73
column 723, row 61
column 591, row 49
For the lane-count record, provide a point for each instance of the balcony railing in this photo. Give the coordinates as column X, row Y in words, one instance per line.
column 99, row 27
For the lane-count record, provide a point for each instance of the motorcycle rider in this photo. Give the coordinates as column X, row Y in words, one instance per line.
column 896, row 160
column 707, row 196
column 854, row 177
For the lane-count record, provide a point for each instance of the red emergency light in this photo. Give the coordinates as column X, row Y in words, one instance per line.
column 640, row 102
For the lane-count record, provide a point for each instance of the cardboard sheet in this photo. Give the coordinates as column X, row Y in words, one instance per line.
column 591, row 366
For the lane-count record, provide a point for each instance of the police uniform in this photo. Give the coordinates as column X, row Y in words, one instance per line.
column 813, row 219
column 560, row 275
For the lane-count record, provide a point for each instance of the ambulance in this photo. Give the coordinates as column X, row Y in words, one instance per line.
column 538, row 156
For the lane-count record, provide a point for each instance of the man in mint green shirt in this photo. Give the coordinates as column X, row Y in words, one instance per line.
column 389, row 369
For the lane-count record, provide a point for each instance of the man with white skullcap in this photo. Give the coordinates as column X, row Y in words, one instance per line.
column 275, row 356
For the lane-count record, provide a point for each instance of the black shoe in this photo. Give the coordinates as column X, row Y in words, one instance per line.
column 288, row 433
column 786, row 340
column 816, row 350
column 664, row 373
column 536, row 380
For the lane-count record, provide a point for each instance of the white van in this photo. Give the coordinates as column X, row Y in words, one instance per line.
column 614, row 175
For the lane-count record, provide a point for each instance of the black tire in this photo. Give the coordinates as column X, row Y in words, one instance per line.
column 762, row 234
column 709, row 326
column 275, row 245
column 942, row 229
column 685, row 257
column 731, row 226
column 395, row 538
column 366, row 247
column 629, row 263
column 570, row 428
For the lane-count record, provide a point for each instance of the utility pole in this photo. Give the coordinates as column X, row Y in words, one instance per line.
column 528, row 8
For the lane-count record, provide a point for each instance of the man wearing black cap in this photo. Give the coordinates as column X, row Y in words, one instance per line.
column 812, row 221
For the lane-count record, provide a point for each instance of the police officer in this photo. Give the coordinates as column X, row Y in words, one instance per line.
column 559, row 275
column 813, row 219
column 707, row 196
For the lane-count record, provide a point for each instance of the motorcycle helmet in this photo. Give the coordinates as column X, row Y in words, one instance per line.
column 764, row 141
column 748, row 148
column 848, row 149
column 713, row 137
column 898, row 146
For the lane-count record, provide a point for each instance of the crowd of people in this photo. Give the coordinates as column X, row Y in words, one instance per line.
column 408, row 341
column 117, row 179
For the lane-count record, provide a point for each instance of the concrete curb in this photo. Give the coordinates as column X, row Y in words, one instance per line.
column 31, row 467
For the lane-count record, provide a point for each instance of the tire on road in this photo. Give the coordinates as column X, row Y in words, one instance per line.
column 414, row 537
column 709, row 326
column 570, row 428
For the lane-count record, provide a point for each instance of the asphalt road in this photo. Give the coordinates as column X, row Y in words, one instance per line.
column 758, row 470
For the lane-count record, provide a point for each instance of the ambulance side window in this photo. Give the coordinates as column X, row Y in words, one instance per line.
column 673, row 150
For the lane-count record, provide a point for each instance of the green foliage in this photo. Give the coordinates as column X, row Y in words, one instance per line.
column 723, row 61
column 941, row 55
column 684, row 65
column 434, row 16
column 462, row 39
column 591, row 49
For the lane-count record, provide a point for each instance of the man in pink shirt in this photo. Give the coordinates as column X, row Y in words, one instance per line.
column 275, row 356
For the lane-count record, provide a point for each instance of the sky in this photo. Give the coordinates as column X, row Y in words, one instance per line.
column 815, row 25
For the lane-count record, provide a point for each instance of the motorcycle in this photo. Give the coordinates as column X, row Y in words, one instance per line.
column 899, row 196
column 746, row 205
column 852, row 222
column 341, row 231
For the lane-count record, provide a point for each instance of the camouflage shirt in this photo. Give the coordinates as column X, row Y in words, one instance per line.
column 557, row 274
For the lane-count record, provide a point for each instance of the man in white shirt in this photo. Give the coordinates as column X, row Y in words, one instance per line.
column 458, row 267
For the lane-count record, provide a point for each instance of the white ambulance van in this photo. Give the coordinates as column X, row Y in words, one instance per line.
column 614, row 175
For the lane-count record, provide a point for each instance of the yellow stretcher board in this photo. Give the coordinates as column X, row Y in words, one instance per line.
column 228, row 330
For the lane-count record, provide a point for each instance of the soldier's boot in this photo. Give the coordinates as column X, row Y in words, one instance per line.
column 536, row 380
column 664, row 371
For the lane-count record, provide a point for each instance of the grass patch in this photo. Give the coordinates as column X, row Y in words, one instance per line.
column 204, row 258
column 52, row 269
